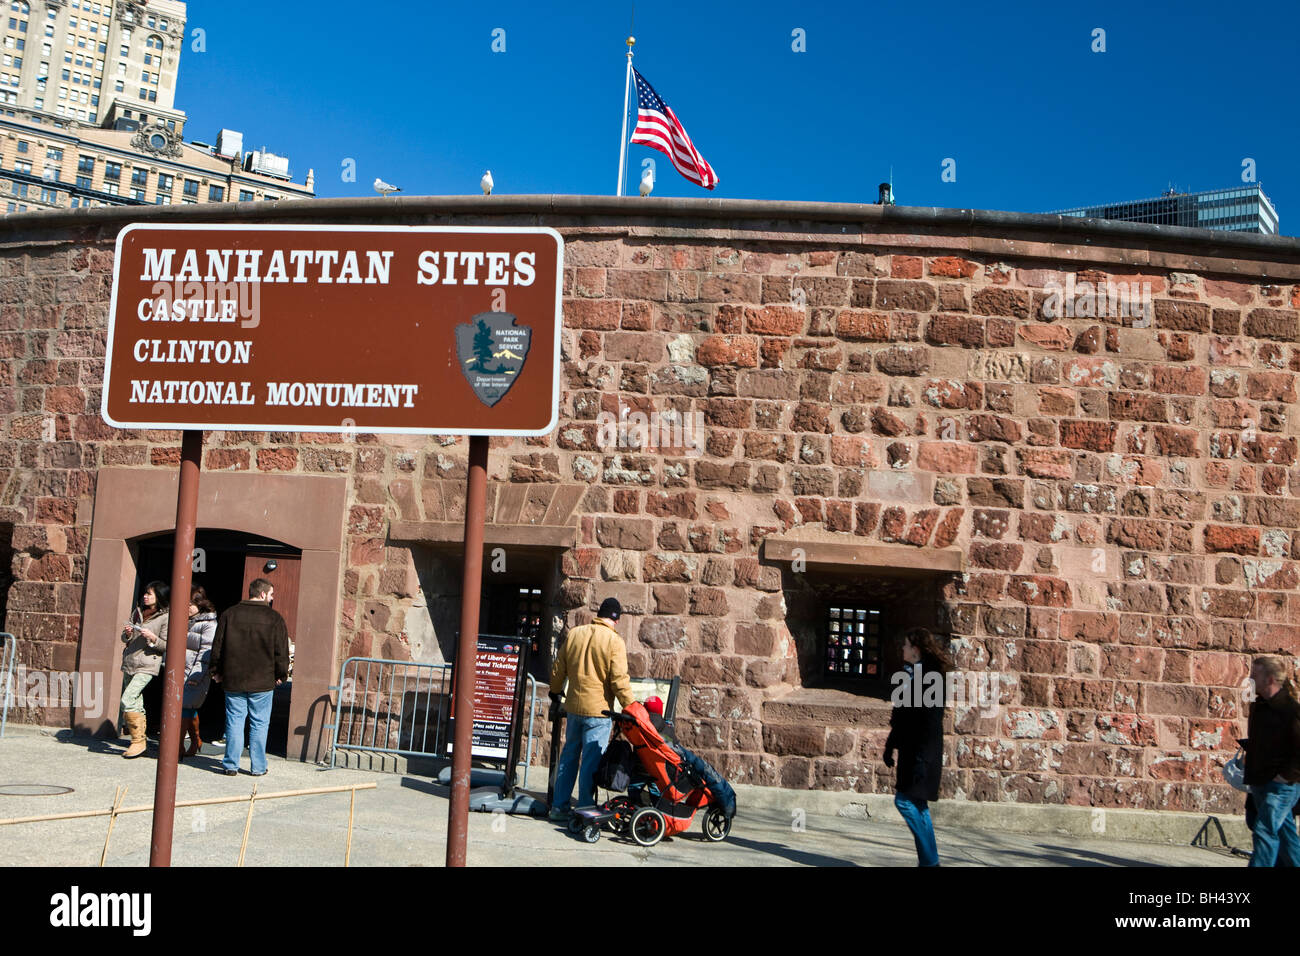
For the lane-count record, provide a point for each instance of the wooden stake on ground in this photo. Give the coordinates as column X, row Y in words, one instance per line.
column 118, row 797
column 248, row 822
column 352, row 809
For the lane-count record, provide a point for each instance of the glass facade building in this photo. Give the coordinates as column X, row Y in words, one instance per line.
column 1239, row 209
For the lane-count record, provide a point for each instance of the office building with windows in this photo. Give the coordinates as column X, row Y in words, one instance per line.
column 1239, row 209
column 88, row 114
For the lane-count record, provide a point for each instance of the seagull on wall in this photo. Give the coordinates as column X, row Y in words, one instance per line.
column 485, row 183
column 647, row 180
column 384, row 188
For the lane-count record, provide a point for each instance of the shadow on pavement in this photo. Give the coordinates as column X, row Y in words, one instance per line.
column 794, row 856
column 1069, row 856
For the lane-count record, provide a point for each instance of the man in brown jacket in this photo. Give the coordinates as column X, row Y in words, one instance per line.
column 250, row 659
column 594, row 660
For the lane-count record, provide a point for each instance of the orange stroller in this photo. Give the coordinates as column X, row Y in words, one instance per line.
column 667, row 784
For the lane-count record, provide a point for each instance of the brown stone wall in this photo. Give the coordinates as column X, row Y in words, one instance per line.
column 1125, row 491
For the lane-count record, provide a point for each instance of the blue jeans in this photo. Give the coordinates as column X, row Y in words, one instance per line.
column 257, row 708
column 917, row 818
column 1274, row 826
column 585, row 738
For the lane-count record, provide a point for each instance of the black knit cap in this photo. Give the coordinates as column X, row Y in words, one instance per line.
column 610, row 609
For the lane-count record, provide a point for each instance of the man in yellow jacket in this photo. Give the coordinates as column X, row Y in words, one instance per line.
column 594, row 660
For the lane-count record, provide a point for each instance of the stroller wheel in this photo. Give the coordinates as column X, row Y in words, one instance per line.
column 591, row 833
column 716, row 826
column 647, row 826
column 576, row 824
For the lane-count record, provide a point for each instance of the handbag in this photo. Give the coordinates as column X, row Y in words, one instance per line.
column 1234, row 772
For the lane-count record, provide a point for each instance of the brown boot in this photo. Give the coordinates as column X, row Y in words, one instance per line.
column 192, row 725
column 135, row 727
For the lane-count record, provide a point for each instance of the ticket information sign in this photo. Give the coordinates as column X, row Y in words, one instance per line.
column 496, row 680
column 385, row 329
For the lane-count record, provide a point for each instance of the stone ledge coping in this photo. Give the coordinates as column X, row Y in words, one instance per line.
column 881, row 558
column 634, row 211
column 453, row 532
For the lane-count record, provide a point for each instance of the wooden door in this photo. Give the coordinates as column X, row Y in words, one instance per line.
column 284, row 578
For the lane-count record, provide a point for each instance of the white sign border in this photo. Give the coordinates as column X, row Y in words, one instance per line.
column 556, row 354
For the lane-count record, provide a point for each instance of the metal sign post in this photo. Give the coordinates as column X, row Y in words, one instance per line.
column 467, row 645
column 169, row 740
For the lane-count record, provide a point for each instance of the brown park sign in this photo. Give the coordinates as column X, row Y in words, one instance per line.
column 415, row 329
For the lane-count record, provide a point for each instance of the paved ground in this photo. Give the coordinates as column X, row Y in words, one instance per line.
column 404, row 821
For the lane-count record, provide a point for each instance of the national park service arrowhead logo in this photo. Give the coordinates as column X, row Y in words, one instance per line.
column 492, row 350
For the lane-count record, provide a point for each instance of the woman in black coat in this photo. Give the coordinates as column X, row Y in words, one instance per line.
column 916, row 733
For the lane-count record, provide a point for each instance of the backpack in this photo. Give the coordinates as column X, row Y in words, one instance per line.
column 614, row 772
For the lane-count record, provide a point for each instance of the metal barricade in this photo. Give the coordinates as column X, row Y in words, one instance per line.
column 404, row 708
column 392, row 707
column 8, row 654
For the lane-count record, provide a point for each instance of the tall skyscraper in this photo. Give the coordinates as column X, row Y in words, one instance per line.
column 1237, row 209
column 88, row 114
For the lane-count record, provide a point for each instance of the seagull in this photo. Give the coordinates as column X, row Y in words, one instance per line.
column 485, row 183
column 385, row 188
column 647, row 180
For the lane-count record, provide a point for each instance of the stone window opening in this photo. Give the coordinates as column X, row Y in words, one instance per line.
column 847, row 605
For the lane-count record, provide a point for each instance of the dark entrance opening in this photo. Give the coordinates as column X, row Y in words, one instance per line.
column 517, row 598
column 225, row 563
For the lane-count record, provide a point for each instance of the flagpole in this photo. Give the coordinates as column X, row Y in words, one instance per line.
column 627, row 89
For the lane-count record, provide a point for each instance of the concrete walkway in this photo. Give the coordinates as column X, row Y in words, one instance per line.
column 404, row 823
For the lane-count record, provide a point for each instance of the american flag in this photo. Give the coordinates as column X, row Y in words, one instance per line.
column 657, row 126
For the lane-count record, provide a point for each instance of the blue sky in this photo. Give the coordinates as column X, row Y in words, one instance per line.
column 1013, row 93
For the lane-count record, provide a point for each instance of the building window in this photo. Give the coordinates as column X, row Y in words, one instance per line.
column 140, row 177
column 83, row 182
column 165, row 183
column 191, row 187
column 23, row 166
column 50, row 196
column 162, row 199
column 245, row 195
column 853, row 643
column 137, row 194
column 111, row 188
column 216, row 193
column 51, row 173
column 86, row 164
column 113, row 171
column 20, row 190
column 22, row 146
